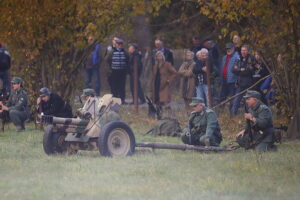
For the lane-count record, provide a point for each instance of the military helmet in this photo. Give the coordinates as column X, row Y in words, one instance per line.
column 44, row 92
column 16, row 80
column 196, row 101
column 88, row 92
column 252, row 93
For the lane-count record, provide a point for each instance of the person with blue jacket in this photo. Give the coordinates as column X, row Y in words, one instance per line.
column 228, row 79
column 92, row 66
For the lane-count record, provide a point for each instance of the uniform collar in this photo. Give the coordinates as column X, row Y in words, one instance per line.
column 256, row 106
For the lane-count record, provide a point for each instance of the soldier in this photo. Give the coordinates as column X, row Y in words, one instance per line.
column 90, row 108
column 52, row 104
column 259, row 132
column 203, row 126
column 17, row 104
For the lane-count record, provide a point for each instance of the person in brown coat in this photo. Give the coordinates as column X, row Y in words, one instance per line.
column 163, row 73
column 187, row 83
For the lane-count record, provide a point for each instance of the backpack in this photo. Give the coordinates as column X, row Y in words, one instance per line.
column 4, row 60
column 167, row 127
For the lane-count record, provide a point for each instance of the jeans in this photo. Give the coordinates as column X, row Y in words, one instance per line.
column 90, row 72
column 237, row 100
column 5, row 80
column 202, row 92
column 140, row 90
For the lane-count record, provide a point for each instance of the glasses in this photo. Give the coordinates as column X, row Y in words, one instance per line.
column 14, row 83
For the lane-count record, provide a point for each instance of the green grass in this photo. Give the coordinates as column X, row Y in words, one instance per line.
column 26, row 172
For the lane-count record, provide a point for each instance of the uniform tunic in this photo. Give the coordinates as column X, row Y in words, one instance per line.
column 203, row 125
column 262, row 129
column 17, row 106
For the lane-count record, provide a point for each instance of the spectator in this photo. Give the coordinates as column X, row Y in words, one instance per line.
column 228, row 78
column 260, row 70
column 92, row 66
column 197, row 46
column 118, row 60
column 135, row 57
column 214, row 55
column 237, row 43
column 50, row 103
column 108, row 52
column 5, row 62
column 163, row 73
column 267, row 88
column 214, row 65
column 159, row 46
column 244, row 71
column 187, row 78
column 199, row 71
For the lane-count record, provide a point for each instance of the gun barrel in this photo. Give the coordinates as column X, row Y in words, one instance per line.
column 160, row 145
column 65, row 121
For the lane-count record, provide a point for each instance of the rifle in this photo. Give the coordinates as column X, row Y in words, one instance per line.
column 249, row 129
column 208, row 67
column 4, row 115
column 190, row 128
column 152, row 111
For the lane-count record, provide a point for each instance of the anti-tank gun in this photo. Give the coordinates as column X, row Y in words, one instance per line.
column 103, row 132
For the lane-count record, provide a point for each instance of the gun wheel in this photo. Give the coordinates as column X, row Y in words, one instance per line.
column 116, row 139
column 54, row 142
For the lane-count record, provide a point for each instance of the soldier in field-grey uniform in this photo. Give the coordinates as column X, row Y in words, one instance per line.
column 259, row 132
column 203, row 126
column 17, row 104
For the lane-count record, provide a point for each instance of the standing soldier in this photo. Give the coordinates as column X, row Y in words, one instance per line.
column 203, row 128
column 17, row 104
column 259, row 132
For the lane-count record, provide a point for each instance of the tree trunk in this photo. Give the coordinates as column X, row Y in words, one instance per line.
column 294, row 126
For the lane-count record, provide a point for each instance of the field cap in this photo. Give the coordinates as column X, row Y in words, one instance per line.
column 16, row 80
column 252, row 93
column 196, row 101
column 44, row 92
column 88, row 92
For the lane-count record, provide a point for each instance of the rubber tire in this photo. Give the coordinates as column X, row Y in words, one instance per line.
column 50, row 141
column 105, row 132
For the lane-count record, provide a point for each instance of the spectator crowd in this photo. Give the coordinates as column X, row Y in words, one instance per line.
column 204, row 73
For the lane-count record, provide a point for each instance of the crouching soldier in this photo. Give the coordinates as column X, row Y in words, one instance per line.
column 203, row 128
column 90, row 107
column 17, row 104
column 52, row 104
column 259, row 132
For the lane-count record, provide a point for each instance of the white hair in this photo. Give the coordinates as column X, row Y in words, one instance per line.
column 203, row 50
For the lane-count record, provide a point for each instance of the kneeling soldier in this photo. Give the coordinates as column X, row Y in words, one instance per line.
column 203, row 126
column 259, row 131
column 17, row 104
column 90, row 107
column 52, row 104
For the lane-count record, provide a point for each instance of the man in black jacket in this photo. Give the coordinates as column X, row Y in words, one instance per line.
column 135, row 58
column 244, row 70
column 159, row 46
column 52, row 104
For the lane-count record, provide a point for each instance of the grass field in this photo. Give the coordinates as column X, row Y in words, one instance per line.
column 26, row 172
